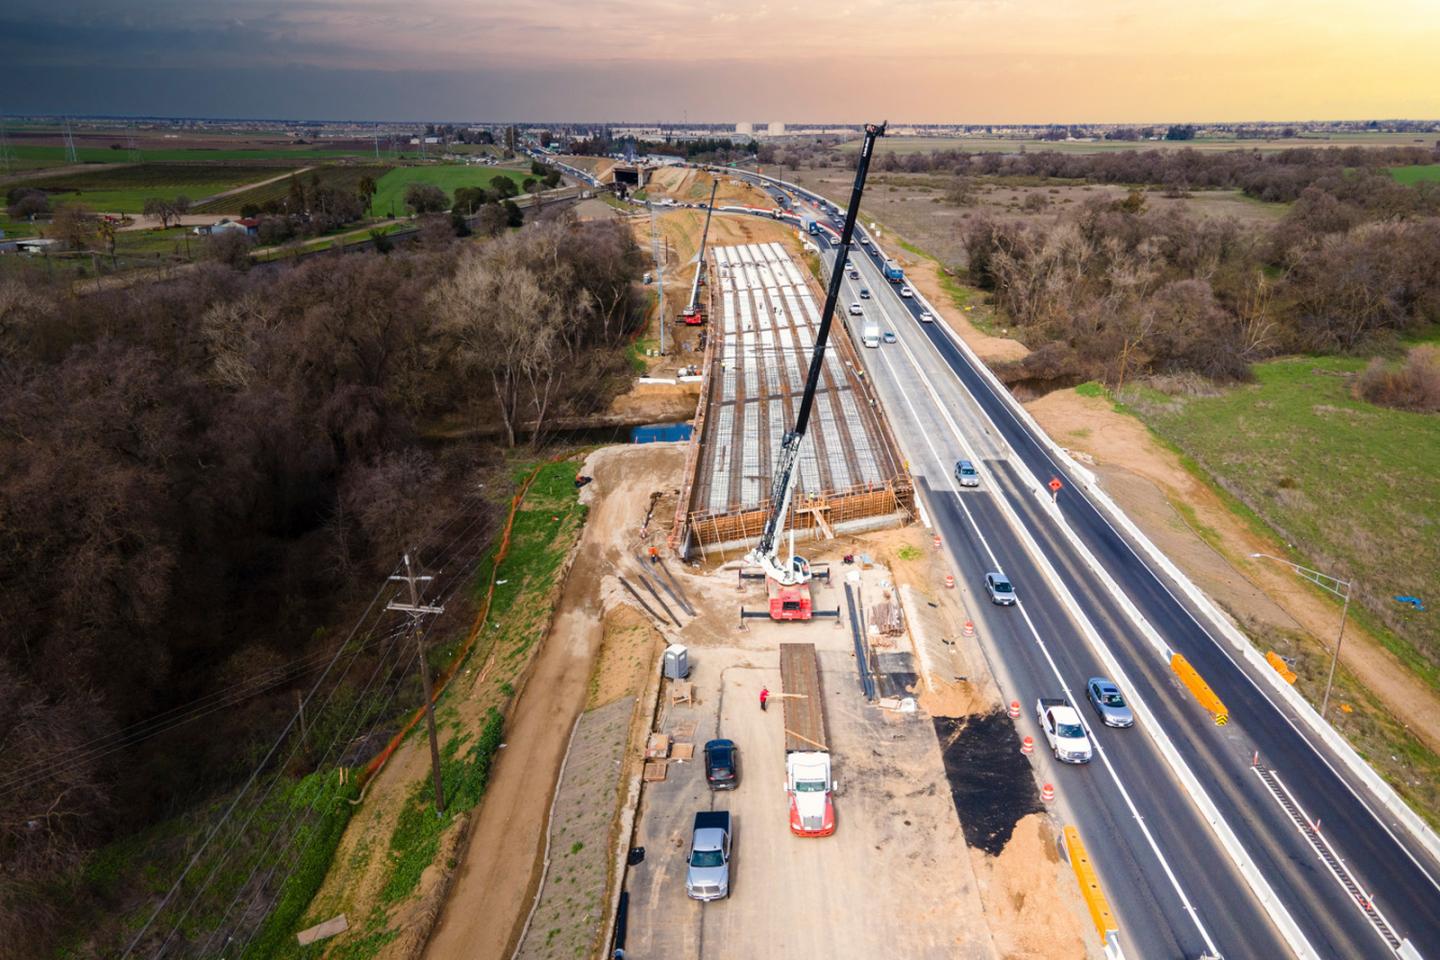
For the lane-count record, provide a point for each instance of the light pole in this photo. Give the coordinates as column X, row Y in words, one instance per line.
column 1341, row 589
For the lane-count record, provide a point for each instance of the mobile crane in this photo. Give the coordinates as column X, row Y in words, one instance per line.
column 691, row 315
column 788, row 581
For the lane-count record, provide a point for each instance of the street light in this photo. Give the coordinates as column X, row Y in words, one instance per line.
column 1325, row 582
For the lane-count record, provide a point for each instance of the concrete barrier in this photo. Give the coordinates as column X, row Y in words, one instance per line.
column 1095, row 900
column 1200, row 689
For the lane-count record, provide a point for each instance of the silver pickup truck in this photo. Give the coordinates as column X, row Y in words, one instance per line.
column 708, row 876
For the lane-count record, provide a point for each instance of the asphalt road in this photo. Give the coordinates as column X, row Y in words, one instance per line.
column 938, row 403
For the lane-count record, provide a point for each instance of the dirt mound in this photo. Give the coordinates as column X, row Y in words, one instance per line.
column 1021, row 909
column 951, row 700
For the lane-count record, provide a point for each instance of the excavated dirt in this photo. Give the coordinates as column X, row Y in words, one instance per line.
column 1026, row 919
column 1147, row 481
column 688, row 185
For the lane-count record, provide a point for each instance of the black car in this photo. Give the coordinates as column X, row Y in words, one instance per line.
column 722, row 765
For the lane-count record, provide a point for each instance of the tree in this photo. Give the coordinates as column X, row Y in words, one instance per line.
column 425, row 198
column 491, row 220
column 230, row 247
column 75, row 225
column 366, row 189
column 26, row 203
column 514, row 216
column 504, row 187
column 160, row 209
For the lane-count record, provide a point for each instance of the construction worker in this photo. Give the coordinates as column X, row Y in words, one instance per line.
column 764, row 698
column 654, row 555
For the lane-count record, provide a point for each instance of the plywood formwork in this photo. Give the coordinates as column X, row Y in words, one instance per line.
column 764, row 318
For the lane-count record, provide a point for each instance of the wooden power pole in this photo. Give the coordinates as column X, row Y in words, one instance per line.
column 417, row 610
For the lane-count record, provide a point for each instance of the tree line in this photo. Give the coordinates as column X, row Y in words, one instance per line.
column 198, row 476
column 1114, row 290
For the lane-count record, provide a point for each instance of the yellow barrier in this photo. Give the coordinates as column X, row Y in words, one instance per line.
column 1090, row 890
column 1200, row 689
column 1281, row 667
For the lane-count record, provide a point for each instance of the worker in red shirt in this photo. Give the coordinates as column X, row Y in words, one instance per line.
column 764, row 697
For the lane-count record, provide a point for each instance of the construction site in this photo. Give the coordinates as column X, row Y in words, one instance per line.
column 763, row 315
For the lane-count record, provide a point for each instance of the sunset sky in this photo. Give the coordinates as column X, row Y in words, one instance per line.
column 979, row 61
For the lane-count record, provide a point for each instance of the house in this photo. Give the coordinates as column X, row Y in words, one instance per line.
column 246, row 225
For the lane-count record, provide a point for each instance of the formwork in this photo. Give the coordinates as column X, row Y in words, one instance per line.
column 764, row 314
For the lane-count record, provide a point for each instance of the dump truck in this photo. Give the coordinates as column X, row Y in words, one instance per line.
column 1063, row 730
column 708, row 874
column 807, row 757
column 893, row 272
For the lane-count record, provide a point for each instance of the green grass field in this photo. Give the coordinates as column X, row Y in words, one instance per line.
column 1429, row 171
column 335, row 177
column 1355, row 487
column 125, row 189
column 390, row 197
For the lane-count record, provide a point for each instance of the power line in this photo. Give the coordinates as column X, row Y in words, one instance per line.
column 235, row 802
column 453, row 582
column 167, row 720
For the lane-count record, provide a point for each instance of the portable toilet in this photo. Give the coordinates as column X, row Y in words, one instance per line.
column 677, row 662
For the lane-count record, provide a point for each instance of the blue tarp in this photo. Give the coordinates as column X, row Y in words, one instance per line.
column 661, row 433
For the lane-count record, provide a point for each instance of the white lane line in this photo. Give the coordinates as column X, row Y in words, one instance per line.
column 1286, row 924
column 1040, row 446
column 1054, row 668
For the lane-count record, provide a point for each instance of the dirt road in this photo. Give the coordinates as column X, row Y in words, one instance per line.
column 495, row 881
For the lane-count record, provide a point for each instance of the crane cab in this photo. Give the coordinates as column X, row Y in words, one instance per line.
column 790, row 602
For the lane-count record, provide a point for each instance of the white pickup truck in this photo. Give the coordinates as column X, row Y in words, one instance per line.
column 1063, row 729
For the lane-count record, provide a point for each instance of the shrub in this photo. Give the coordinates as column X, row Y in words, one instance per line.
column 1413, row 385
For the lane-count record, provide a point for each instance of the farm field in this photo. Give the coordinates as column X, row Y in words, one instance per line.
column 26, row 156
column 390, row 195
column 346, row 178
column 906, row 145
column 1410, row 175
column 914, row 205
column 125, row 189
column 1367, row 508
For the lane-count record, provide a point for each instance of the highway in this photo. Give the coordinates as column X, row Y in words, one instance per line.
column 942, row 409
column 1173, row 880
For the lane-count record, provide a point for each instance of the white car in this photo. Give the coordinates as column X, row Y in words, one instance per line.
column 927, row 317
column 855, row 310
column 906, row 292
column 1063, row 731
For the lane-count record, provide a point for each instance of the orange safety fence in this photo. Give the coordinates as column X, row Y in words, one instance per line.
column 442, row 681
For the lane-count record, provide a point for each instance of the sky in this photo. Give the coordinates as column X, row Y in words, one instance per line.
column 942, row 61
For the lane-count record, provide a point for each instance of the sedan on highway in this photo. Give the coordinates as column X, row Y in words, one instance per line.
column 906, row 292
column 854, row 274
column 926, row 317
column 856, row 310
column 997, row 586
column 889, row 336
column 1105, row 697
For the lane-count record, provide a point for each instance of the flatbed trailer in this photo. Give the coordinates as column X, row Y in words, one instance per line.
column 804, row 710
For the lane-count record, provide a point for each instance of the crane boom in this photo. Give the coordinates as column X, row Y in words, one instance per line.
column 782, row 484
column 693, row 309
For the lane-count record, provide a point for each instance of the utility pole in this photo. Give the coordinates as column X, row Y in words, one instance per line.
column 416, row 611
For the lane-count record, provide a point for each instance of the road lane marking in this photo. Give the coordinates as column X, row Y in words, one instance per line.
column 1054, row 668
